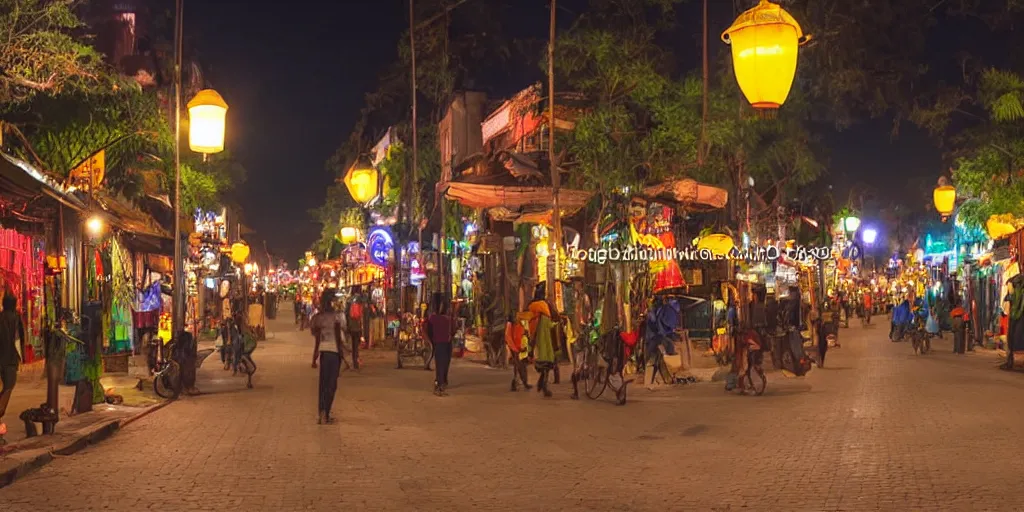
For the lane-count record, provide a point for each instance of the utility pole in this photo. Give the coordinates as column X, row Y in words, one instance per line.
column 556, row 179
column 704, row 99
column 410, row 177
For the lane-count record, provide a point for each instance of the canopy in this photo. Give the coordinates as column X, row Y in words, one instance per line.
column 476, row 195
column 690, row 193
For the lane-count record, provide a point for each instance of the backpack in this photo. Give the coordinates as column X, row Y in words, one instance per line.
column 355, row 317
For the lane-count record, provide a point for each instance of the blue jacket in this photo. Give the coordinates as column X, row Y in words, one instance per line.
column 902, row 315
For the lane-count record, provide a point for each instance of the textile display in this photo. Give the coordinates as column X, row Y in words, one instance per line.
column 22, row 275
column 122, row 298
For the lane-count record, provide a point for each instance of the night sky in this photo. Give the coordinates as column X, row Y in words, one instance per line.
column 294, row 75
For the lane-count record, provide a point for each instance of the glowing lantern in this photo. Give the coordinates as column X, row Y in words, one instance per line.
column 1000, row 226
column 207, row 114
column 348, row 234
column 239, row 252
column 719, row 245
column 944, row 197
column 869, row 236
column 361, row 180
column 764, row 44
column 851, row 224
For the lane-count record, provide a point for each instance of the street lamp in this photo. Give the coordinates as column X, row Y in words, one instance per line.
column 851, row 224
column 764, row 44
column 206, row 135
column 362, row 180
column 869, row 235
column 207, row 114
column 348, row 234
column 239, row 252
column 944, row 197
column 94, row 225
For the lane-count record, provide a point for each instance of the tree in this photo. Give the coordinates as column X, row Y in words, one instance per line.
column 641, row 120
column 990, row 168
column 39, row 52
column 459, row 45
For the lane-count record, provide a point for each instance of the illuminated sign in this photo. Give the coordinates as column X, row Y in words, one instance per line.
column 379, row 245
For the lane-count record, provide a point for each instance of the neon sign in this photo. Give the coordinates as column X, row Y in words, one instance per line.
column 379, row 245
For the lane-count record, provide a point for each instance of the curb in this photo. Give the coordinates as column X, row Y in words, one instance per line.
column 37, row 458
column 149, row 410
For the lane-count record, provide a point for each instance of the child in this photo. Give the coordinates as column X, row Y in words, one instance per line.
column 518, row 352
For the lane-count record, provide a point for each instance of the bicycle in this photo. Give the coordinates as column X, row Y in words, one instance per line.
column 603, row 362
column 166, row 371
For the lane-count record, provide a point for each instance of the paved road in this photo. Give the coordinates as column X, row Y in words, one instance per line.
column 878, row 429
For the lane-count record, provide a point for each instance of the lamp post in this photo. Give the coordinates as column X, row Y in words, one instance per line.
column 207, row 112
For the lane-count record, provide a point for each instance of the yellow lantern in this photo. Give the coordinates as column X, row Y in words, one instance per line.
column 207, row 114
column 944, row 197
column 348, row 234
column 239, row 252
column 361, row 180
column 1000, row 226
column 719, row 245
column 764, row 44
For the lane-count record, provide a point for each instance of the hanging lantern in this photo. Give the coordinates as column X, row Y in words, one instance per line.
column 851, row 224
column 764, row 44
column 348, row 235
column 207, row 117
column 1000, row 226
column 719, row 244
column 944, row 197
column 239, row 252
column 361, row 180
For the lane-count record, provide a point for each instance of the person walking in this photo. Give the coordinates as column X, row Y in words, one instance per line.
column 958, row 318
column 354, row 326
column 518, row 352
column 11, row 331
column 327, row 339
column 440, row 327
column 542, row 343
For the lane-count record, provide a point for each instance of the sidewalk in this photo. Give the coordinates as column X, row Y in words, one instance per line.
column 21, row 455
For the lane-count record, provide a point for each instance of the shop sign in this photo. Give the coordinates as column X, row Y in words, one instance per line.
column 640, row 252
column 379, row 244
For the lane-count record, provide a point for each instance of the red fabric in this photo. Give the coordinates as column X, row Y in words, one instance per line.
column 514, row 336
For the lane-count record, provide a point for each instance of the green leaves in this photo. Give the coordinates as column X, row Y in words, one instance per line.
column 1001, row 92
column 39, row 54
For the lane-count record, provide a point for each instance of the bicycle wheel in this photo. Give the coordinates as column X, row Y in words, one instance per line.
column 595, row 375
column 167, row 384
column 756, row 381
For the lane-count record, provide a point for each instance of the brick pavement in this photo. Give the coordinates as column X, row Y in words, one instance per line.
column 878, row 429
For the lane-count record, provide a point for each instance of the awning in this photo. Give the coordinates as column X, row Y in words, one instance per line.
column 475, row 195
column 22, row 179
column 689, row 193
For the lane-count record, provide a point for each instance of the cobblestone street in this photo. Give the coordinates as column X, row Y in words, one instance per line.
column 877, row 429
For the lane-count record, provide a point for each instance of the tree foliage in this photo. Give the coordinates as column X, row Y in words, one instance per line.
column 990, row 166
column 642, row 119
column 82, row 106
column 39, row 52
column 455, row 48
